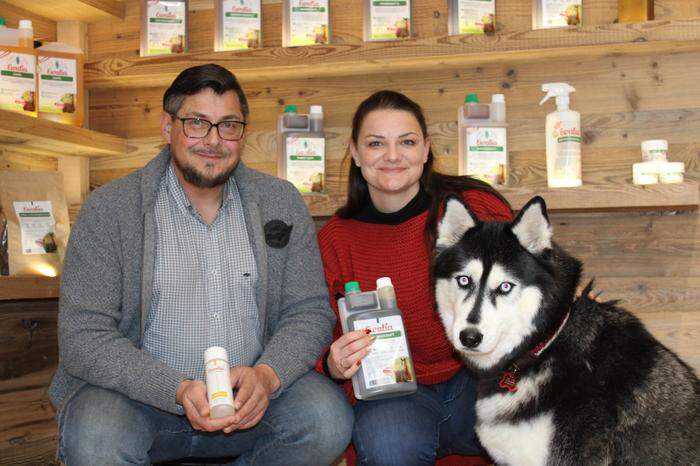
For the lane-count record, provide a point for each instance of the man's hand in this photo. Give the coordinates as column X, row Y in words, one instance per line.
column 255, row 385
column 192, row 395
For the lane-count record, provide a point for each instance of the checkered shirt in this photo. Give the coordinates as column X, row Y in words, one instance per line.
column 204, row 283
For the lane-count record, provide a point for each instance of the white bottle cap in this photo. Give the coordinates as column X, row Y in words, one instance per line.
column 215, row 352
column 316, row 110
column 384, row 281
column 498, row 98
column 25, row 24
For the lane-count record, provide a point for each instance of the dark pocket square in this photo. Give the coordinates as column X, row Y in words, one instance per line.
column 277, row 233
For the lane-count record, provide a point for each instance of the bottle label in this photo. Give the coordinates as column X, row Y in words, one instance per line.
column 218, row 383
column 388, row 361
column 17, row 81
column 240, row 24
column 487, row 154
column 476, row 16
column 390, row 19
column 306, row 163
column 308, row 22
column 58, row 86
column 567, row 163
column 166, row 28
column 560, row 13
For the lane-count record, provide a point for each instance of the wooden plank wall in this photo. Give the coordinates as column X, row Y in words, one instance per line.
column 651, row 260
column 623, row 100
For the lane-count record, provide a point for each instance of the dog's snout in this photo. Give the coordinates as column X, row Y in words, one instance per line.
column 470, row 338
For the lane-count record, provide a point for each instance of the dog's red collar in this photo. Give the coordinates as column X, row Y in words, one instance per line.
column 509, row 378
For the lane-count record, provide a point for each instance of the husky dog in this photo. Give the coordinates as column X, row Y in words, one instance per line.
column 563, row 380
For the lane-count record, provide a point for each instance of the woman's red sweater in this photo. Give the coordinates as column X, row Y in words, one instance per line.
column 356, row 250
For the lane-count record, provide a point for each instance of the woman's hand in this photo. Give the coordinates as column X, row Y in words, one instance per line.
column 347, row 352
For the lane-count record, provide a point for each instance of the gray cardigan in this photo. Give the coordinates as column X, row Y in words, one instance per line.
column 107, row 280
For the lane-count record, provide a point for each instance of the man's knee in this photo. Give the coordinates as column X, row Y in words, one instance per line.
column 321, row 417
column 100, row 426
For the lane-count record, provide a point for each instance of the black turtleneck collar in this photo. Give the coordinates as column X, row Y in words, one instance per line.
column 416, row 206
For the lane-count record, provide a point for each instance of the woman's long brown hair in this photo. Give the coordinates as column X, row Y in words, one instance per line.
column 437, row 185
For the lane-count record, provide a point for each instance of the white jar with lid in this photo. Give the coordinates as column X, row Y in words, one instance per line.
column 644, row 173
column 655, row 150
column 218, row 378
column 671, row 172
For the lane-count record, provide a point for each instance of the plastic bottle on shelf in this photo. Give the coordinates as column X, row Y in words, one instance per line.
column 563, row 133
column 61, row 86
column 8, row 36
column 483, row 140
column 302, row 148
column 18, row 79
column 26, row 34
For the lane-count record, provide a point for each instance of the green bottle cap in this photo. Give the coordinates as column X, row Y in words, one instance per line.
column 471, row 98
column 290, row 109
column 2, row 21
column 352, row 287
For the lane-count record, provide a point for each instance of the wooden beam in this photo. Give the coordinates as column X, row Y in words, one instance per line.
column 111, row 7
column 28, row 287
column 282, row 63
column 76, row 170
column 20, row 132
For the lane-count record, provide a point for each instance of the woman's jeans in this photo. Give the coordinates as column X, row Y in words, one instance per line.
column 436, row 421
column 310, row 423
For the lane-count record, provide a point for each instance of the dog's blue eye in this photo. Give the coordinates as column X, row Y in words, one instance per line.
column 463, row 281
column 505, row 287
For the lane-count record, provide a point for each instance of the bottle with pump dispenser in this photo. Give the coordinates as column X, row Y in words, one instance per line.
column 563, row 133
column 388, row 368
column 302, row 149
column 483, row 140
column 18, row 70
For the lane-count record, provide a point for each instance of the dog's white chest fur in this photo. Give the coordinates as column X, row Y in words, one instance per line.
column 526, row 442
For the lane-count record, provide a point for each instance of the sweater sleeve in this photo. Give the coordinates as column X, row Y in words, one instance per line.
column 91, row 346
column 334, row 281
column 487, row 207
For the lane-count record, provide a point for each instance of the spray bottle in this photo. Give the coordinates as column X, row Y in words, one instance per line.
column 388, row 368
column 563, row 133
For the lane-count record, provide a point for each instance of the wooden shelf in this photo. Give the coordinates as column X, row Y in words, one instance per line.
column 682, row 196
column 281, row 63
column 24, row 133
column 28, row 287
column 87, row 11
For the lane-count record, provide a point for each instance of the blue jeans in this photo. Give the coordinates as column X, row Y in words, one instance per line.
column 309, row 423
column 436, row 421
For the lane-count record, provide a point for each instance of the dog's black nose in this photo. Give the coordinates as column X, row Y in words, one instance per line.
column 470, row 338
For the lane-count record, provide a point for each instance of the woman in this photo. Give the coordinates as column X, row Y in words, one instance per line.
column 387, row 228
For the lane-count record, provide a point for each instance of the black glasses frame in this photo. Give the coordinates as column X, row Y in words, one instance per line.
column 211, row 125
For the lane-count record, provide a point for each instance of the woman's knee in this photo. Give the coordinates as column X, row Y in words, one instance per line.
column 395, row 432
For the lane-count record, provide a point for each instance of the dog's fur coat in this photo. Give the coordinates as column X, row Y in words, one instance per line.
column 603, row 390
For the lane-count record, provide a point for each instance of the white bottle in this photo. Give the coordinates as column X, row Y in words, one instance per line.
column 26, row 33
column 563, row 134
column 218, row 383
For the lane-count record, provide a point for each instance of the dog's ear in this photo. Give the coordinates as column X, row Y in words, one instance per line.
column 532, row 227
column 456, row 221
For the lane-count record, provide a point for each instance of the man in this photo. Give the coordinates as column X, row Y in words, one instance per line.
column 192, row 251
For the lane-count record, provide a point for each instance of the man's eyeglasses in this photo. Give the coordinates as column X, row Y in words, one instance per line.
column 198, row 128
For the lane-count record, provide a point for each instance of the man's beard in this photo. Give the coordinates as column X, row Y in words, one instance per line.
column 197, row 179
